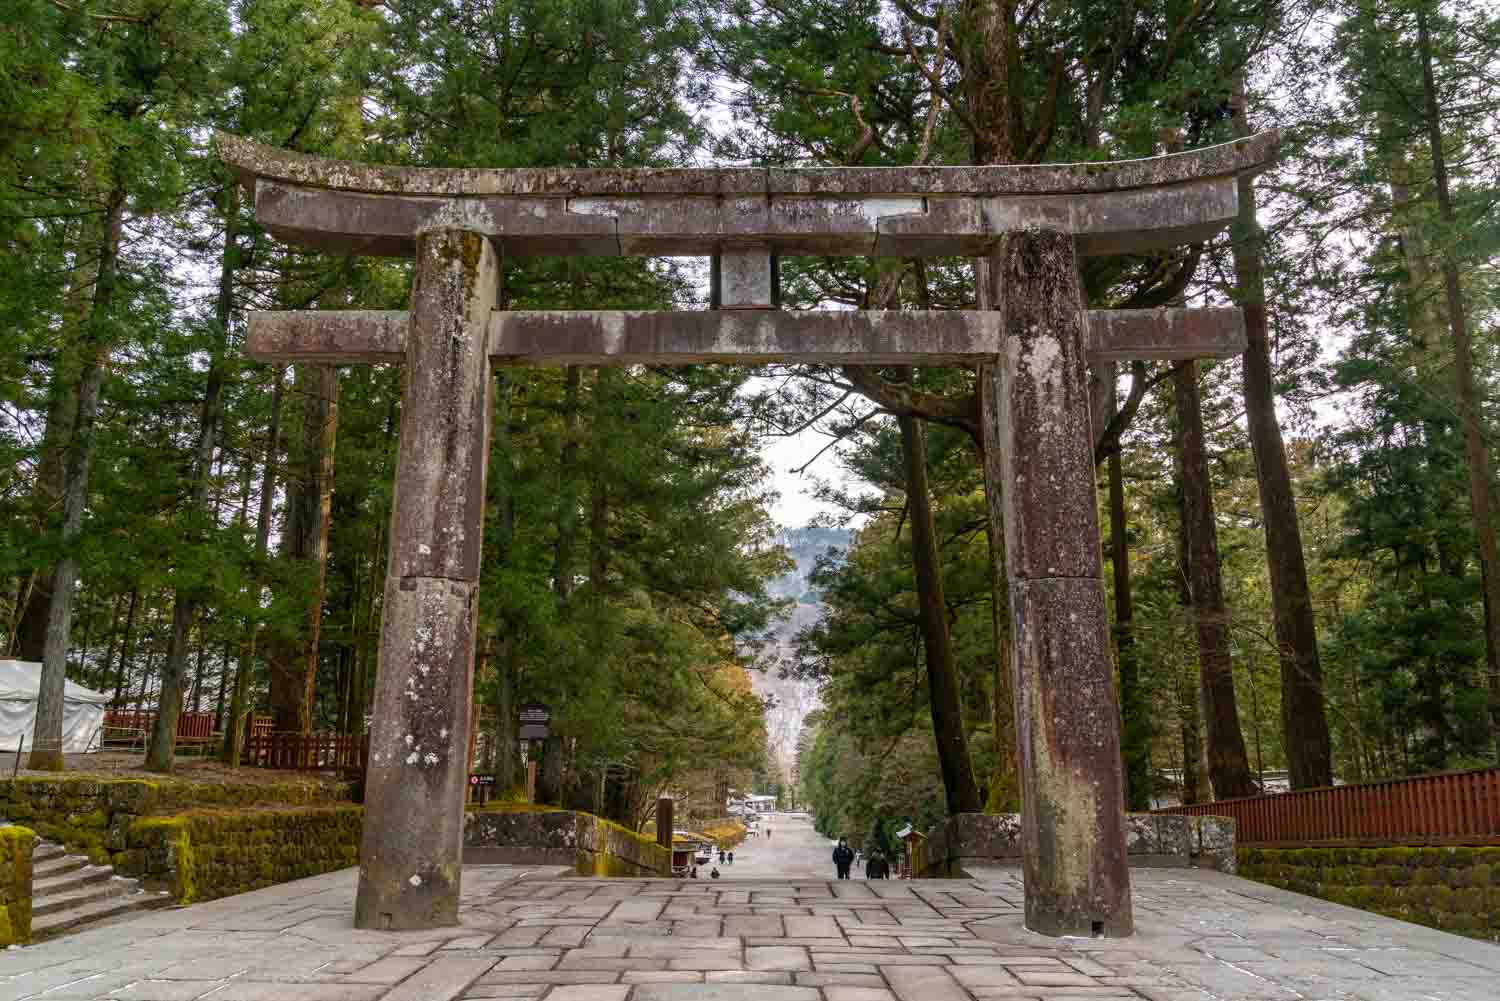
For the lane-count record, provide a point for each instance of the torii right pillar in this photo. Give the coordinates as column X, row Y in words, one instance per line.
column 1039, row 479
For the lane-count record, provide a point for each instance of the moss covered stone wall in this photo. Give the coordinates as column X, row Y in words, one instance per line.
column 206, row 854
column 1151, row 840
column 607, row 849
column 16, row 844
column 91, row 816
column 521, row 834
column 727, row 832
column 1455, row 889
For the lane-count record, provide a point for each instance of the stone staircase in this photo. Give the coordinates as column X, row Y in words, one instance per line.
column 69, row 894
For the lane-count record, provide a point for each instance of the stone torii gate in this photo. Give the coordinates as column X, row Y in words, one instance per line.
column 1032, row 342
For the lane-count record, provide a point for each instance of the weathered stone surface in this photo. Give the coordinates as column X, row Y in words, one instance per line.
column 412, row 845
column 871, row 337
column 1067, row 723
column 1164, row 334
column 1111, row 207
column 1039, row 451
column 411, row 851
column 723, row 991
column 746, row 278
column 946, row 226
column 922, row 983
column 438, row 509
column 1140, row 834
column 1125, row 222
column 674, row 226
column 337, row 337
column 944, row 337
column 833, row 225
column 16, row 846
column 248, row 159
column 200, row 855
column 383, row 226
column 1216, row 843
column 1176, row 835
column 777, row 958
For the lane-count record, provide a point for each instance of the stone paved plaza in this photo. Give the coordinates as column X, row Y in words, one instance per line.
column 551, row 936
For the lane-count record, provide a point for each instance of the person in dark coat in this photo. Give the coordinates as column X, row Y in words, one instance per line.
column 872, row 865
column 843, row 858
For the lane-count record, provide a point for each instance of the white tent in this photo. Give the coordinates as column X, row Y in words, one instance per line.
column 83, row 710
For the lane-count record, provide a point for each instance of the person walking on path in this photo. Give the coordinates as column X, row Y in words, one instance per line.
column 843, row 858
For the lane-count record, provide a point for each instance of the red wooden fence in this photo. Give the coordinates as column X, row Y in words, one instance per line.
column 306, row 751
column 192, row 728
column 1452, row 808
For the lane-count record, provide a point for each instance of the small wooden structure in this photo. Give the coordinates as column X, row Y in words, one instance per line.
column 912, row 843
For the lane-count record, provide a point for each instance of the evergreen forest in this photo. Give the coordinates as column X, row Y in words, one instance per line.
column 1300, row 543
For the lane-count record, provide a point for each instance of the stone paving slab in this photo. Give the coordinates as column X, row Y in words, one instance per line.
column 545, row 935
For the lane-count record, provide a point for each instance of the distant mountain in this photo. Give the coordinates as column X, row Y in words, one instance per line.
column 794, row 699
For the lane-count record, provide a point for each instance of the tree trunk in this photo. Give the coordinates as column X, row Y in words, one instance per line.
column 52, row 467
column 1228, row 763
column 309, row 503
column 567, row 501
column 507, row 765
column 102, row 680
column 196, row 698
column 82, row 666
column 1190, row 727
column 1304, row 723
column 184, row 604
column 1135, row 708
column 506, row 745
column 234, row 729
column 549, row 778
column 1476, row 456
column 122, row 671
column 222, row 686
column 46, row 742
column 942, row 681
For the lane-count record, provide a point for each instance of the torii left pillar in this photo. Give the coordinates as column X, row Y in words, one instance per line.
column 411, row 854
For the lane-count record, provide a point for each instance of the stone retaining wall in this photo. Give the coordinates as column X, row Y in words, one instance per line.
column 592, row 845
column 16, row 846
column 1455, row 889
column 206, row 854
column 1150, row 840
column 90, row 816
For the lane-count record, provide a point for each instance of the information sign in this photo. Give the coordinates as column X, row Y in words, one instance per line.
column 535, row 718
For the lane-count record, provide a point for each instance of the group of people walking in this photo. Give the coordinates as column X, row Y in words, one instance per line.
column 877, row 866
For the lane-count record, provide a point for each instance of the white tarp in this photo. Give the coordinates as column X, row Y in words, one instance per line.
column 83, row 709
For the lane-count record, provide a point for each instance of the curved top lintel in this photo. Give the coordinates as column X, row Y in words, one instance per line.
column 250, row 160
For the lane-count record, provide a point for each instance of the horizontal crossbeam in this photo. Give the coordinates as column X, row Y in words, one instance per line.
column 1110, row 208
column 250, row 160
column 611, row 337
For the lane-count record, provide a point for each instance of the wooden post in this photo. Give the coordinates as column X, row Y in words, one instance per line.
column 1039, row 480
column 411, row 854
column 664, row 822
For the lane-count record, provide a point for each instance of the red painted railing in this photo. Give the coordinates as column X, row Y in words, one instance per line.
column 1451, row 808
column 306, row 751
